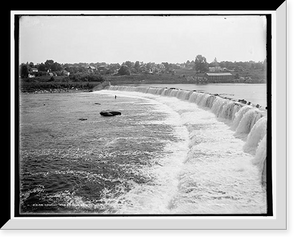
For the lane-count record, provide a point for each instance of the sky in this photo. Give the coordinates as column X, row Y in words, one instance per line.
column 116, row 39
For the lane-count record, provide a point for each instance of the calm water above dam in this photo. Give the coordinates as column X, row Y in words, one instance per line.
column 255, row 93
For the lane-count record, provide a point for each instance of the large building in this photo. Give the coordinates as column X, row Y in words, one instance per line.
column 219, row 77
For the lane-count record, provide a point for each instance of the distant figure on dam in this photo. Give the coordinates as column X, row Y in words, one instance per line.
column 115, row 97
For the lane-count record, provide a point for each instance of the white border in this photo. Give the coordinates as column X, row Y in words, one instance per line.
column 278, row 221
column 279, row 114
column 142, row 223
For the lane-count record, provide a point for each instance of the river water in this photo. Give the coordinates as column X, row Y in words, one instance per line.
column 255, row 93
column 166, row 154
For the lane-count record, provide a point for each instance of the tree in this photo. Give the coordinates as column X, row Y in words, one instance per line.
column 137, row 66
column 56, row 67
column 149, row 66
column 200, row 64
column 113, row 67
column 24, row 70
column 124, row 70
column 42, row 67
column 264, row 65
column 49, row 64
column 167, row 66
column 129, row 64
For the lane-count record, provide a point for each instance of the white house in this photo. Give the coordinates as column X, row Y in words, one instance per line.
column 91, row 69
column 33, row 70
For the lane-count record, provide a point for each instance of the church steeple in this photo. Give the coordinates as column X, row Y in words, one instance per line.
column 216, row 62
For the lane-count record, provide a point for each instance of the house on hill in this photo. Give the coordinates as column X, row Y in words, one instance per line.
column 103, row 69
column 91, row 69
column 219, row 77
column 32, row 72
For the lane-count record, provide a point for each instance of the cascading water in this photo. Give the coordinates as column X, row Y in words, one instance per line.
column 239, row 115
column 217, row 107
column 248, row 122
column 260, row 159
column 257, row 133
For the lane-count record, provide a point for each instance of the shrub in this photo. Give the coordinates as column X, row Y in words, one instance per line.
column 65, row 79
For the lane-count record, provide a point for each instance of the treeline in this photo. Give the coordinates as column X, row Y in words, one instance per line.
column 97, row 71
column 201, row 65
column 53, row 71
column 243, row 66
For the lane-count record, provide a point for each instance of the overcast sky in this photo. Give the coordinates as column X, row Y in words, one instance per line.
column 112, row 39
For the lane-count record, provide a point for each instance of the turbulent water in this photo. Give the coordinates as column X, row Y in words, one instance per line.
column 170, row 152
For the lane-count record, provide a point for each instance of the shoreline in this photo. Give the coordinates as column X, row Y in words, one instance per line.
column 91, row 86
column 60, row 87
column 106, row 84
column 50, row 91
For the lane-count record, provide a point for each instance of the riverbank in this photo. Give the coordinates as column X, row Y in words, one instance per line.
column 41, row 91
column 171, row 79
column 56, row 87
column 60, row 84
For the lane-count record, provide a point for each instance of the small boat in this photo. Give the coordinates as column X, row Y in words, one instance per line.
column 110, row 113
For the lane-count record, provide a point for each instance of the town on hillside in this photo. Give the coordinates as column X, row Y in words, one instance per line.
column 197, row 71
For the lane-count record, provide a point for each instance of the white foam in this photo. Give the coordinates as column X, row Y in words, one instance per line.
column 255, row 136
column 260, row 159
column 207, row 171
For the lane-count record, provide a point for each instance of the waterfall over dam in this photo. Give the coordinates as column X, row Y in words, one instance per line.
column 248, row 122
